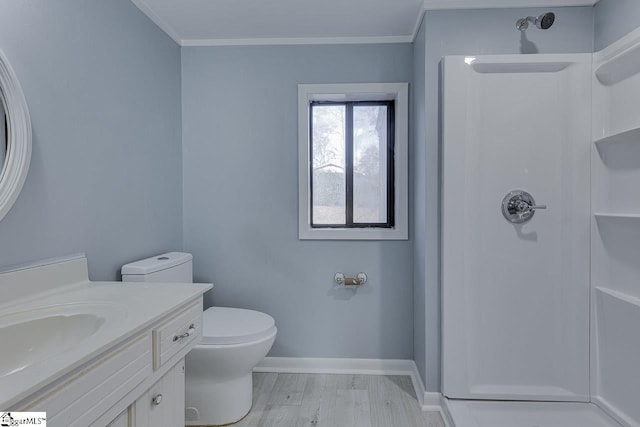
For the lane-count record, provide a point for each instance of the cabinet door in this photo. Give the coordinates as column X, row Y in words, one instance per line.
column 121, row 420
column 163, row 404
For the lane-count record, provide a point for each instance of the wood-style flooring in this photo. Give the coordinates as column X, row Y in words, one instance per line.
column 298, row 400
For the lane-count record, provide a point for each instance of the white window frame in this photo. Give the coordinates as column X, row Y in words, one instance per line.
column 399, row 92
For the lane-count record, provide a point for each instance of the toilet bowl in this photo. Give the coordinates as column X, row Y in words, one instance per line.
column 219, row 386
column 218, row 375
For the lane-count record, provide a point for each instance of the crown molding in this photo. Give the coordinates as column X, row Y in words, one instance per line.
column 158, row 21
column 298, row 41
column 416, row 26
column 507, row 4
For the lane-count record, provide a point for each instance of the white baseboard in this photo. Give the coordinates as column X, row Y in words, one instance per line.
column 312, row 365
column 428, row 401
column 431, row 401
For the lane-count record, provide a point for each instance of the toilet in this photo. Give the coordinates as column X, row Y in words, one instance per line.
column 218, row 387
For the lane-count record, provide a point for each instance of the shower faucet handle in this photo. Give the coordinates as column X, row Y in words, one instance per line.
column 534, row 207
column 518, row 206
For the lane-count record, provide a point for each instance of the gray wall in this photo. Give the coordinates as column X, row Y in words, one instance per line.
column 614, row 19
column 103, row 87
column 475, row 32
column 240, row 152
column 419, row 233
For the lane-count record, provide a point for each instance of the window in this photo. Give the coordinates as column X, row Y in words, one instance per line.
column 351, row 155
column 353, row 161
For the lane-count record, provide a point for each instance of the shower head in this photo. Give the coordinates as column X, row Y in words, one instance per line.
column 543, row 22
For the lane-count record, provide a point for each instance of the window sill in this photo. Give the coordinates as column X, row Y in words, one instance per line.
column 307, row 233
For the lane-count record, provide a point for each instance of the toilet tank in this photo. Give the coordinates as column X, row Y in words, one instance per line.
column 169, row 267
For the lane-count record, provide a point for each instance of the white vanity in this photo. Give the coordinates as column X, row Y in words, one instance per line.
column 95, row 353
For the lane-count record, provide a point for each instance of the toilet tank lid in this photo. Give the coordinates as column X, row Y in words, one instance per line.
column 156, row 263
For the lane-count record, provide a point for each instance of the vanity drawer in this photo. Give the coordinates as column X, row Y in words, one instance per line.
column 175, row 334
column 74, row 401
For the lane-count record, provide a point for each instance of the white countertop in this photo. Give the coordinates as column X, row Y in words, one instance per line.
column 127, row 309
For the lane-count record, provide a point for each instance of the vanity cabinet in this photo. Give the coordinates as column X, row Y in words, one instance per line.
column 96, row 354
column 163, row 403
column 140, row 383
column 122, row 420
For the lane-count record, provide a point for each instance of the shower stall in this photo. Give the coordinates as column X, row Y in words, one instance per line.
column 541, row 239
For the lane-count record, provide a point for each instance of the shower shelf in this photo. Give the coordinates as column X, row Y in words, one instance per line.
column 621, row 216
column 631, row 299
column 631, row 135
column 621, row 66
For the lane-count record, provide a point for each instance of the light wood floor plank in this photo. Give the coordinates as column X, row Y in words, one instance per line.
column 387, row 408
column 288, row 390
column 263, row 384
column 279, row 416
column 405, row 385
column 323, row 413
column 433, row 419
column 410, row 404
column 353, row 382
column 353, row 408
column 306, row 400
column 315, row 393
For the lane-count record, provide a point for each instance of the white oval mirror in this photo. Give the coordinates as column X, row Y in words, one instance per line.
column 4, row 133
column 15, row 137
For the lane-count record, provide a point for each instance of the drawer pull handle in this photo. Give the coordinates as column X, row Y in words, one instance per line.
column 156, row 399
column 191, row 331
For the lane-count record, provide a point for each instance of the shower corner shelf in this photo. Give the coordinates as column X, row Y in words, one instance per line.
column 619, row 67
column 630, row 136
column 621, row 216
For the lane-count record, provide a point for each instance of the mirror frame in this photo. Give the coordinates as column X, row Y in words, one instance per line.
column 18, row 155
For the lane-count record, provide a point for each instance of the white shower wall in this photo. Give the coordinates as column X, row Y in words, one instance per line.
column 549, row 310
column 516, row 297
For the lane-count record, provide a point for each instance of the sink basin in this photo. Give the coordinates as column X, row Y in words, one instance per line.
column 33, row 336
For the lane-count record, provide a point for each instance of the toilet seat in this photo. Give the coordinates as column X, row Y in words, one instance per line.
column 224, row 325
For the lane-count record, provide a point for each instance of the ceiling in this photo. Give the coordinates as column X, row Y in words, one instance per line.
column 255, row 22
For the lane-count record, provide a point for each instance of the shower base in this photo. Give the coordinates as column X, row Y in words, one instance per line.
column 470, row 413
